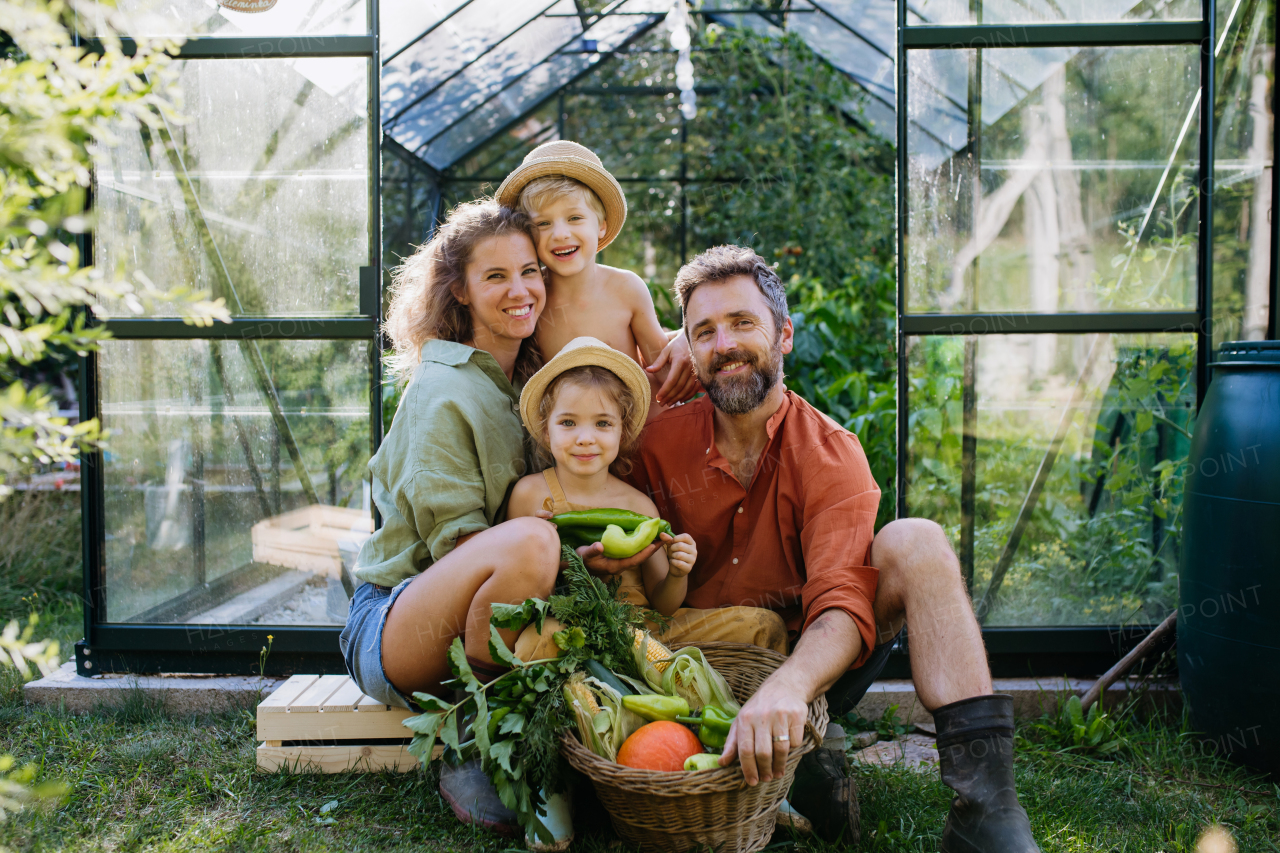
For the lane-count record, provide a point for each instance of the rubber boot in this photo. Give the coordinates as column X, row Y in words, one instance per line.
column 474, row 799
column 975, row 752
column 824, row 794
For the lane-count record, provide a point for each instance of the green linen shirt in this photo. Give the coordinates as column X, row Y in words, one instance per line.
column 445, row 468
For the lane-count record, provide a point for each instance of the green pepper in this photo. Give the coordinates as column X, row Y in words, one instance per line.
column 702, row 761
column 593, row 519
column 654, row 707
column 713, row 726
column 620, row 545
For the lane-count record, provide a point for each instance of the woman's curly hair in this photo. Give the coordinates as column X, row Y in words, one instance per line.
column 424, row 289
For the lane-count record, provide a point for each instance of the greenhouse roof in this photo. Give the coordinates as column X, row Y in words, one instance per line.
column 457, row 73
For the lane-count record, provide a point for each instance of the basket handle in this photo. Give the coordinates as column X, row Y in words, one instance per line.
column 812, row 730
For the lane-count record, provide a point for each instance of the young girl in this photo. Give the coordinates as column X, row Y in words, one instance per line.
column 585, row 409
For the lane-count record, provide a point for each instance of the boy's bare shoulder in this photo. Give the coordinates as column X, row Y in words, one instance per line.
column 625, row 283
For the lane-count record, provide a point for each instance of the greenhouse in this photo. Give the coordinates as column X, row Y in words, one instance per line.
column 1013, row 235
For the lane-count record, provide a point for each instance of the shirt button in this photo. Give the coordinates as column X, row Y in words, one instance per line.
column 739, row 509
column 735, row 561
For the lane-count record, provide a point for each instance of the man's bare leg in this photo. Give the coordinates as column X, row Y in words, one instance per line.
column 920, row 583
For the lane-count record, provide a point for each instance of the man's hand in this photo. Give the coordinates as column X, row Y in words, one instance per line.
column 682, row 383
column 769, row 726
column 596, row 561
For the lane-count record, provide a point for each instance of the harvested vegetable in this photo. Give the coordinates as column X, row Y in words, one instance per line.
column 652, row 659
column 713, row 726
column 599, row 519
column 603, row 723
column 603, row 674
column 689, row 675
column 702, row 761
column 659, row 746
column 619, row 544
column 654, row 708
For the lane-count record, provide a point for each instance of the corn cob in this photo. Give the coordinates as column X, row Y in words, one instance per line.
column 581, row 694
column 654, row 652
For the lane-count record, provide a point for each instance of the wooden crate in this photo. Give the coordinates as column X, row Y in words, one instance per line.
column 307, row 539
column 332, row 710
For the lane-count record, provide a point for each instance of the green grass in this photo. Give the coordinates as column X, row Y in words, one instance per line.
column 140, row 780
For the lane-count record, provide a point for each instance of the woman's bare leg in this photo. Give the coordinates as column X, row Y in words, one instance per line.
column 515, row 560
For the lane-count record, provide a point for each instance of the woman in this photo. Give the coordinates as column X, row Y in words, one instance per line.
column 462, row 316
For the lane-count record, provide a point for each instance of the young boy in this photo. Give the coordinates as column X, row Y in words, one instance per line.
column 578, row 208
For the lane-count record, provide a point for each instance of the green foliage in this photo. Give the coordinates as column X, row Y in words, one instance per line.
column 57, row 105
column 886, row 728
column 1072, row 730
column 514, row 722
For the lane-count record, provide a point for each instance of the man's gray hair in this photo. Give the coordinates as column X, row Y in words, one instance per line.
column 726, row 262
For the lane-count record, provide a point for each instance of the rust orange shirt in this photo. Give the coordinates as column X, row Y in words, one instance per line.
column 796, row 541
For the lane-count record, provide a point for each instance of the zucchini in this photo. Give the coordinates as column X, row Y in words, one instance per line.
column 602, row 673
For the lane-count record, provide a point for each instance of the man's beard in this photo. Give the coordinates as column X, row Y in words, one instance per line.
column 737, row 395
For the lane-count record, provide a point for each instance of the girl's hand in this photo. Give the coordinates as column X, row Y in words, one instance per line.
column 682, row 553
column 682, row 382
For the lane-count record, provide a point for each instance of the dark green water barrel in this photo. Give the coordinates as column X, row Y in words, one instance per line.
column 1229, row 590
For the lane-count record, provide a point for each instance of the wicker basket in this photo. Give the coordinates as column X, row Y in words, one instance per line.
column 671, row 812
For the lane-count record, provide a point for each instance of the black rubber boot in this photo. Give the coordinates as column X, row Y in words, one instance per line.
column 975, row 751
column 827, row 797
column 474, row 799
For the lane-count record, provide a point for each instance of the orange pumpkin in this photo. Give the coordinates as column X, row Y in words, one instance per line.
column 659, row 746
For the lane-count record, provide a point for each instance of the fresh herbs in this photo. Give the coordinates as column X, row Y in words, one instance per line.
column 513, row 723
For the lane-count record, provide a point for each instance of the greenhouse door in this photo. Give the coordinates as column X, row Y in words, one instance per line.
column 1070, row 254
column 223, row 517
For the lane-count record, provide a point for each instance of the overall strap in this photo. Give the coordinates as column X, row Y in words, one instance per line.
column 559, row 503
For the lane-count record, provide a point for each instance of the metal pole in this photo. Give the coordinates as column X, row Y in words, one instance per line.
column 969, row 380
column 1204, row 332
column 903, row 384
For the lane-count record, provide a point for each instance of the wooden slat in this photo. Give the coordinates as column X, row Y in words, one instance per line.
column 278, row 701
column 334, row 725
column 369, row 705
column 337, row 759
column 344, row 699
column 313, row 698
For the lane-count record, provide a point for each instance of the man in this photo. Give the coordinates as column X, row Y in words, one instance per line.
column 782, row 505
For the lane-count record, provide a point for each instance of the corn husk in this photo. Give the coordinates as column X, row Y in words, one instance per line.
column 652, row 659
column 603, row 724
column 689, row 675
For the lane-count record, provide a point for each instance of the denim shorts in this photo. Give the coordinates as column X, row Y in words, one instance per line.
column 849, row 689
column 361, row 642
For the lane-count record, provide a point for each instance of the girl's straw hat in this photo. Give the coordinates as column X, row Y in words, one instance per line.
column 573, row 161
column 577, row 353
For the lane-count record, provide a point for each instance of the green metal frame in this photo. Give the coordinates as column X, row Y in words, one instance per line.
column 141, row 648
column 1017, row 651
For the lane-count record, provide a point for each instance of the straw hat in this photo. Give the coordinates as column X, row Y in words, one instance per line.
column 577, row 353
column 573, row 161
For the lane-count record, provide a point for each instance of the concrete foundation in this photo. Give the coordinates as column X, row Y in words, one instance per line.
column 1031, row 696
column 177, row 694
column 204, row 694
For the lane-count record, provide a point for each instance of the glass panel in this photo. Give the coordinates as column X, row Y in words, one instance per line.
column 202, row 18
column 208, row 519
column 261, row 195
column 1050, row 11
column 403, row 22
column 1052, row 180
column 1101, row 423
column 524, row 92
column 1242, row 203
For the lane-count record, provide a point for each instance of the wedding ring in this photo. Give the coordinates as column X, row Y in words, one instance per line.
column 781, row 738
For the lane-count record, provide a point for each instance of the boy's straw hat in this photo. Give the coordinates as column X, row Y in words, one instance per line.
column 577, row 353
column 573, row 161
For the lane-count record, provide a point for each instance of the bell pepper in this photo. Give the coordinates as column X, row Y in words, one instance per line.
column 702, row 761
column 713, row 726
column 599, row 519
column 654, row 708
column 620, row 545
